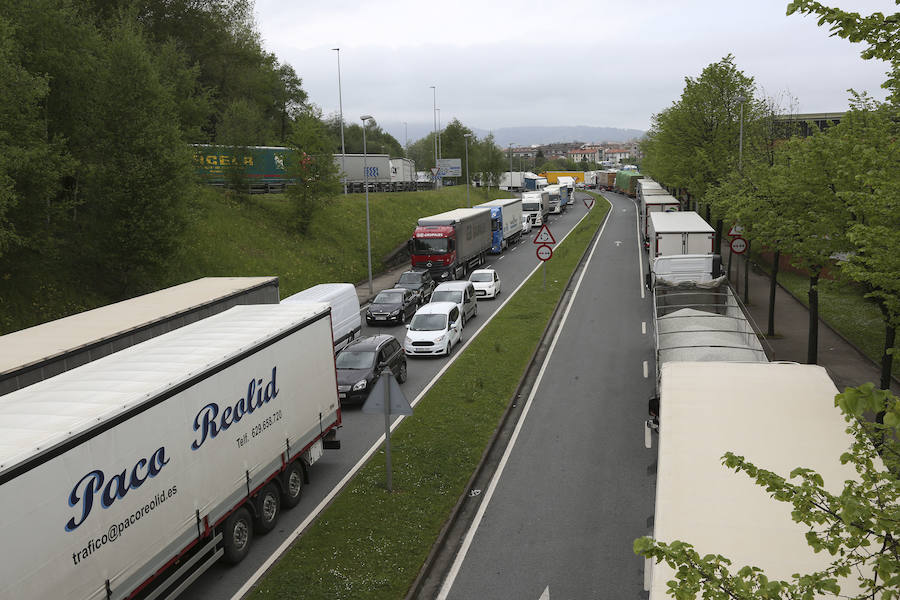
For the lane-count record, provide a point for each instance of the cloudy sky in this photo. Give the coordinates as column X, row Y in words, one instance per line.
column 568, row 62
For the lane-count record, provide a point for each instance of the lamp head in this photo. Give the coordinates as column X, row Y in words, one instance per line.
column 366, row 117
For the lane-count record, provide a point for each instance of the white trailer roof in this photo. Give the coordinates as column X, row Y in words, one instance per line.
column 647, row 184
column 28, row 346
column 649, row 192
column 45, row 414
column 499, row 202
column 457, row 214
column 674, row 222
column 779, row 416
column 651, row 197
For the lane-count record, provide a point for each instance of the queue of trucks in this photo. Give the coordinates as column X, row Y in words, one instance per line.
column 536, row 206
column 506, row 222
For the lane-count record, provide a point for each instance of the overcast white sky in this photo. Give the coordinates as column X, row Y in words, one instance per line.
column 568, row 62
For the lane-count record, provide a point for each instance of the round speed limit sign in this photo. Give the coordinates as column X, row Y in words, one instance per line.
column 738, row 245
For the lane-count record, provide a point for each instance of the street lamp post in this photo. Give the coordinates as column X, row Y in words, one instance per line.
column 366, row 184
column 741, row 99
column 341, row 106
column 509, row 186
column 440, row 154
column 434, row 121
column 467, row 136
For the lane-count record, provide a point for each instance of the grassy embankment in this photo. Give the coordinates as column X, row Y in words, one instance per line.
column 370, row 543
column 226, row 237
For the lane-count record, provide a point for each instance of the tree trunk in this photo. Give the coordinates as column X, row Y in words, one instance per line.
column 773, row 282
column 708, row 209
column 719, row 234
column 812, row 354
column 887, row 358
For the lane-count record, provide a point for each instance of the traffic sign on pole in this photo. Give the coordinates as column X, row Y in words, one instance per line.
column 738, row 245
column 588, row 203
column 736, row 230
column 544, row 236
column 544, row 252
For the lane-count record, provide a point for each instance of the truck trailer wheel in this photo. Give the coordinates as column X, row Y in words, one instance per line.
column 292, row 485
column 268, row 508
column 238, row 533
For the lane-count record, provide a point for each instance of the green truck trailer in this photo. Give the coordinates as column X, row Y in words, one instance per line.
column 626, row 182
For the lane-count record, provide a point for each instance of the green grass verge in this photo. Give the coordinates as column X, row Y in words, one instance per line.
column 846, row 310
column 370, row 543
column 226, row 237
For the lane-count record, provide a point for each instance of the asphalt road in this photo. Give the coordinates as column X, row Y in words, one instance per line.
column 578, row 484
column 360, row 431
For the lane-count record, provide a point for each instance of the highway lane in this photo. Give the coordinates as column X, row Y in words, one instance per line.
column 577, row 485
column 360, row 431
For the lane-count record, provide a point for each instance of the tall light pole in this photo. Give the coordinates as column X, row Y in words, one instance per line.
column 440, row 155
column 366, row 184
column 405, row 140
column 467, row 136
column 341, row 106
column 509, row 186
column 741, row 99
column 434, row 120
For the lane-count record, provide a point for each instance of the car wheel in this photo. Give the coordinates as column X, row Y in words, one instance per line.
column 403, row 375
column 402, row 317
column 449, row 348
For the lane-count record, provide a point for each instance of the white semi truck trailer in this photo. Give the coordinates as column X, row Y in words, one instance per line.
column 130, row 475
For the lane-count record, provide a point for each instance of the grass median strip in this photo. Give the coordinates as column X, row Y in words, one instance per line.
column 370, row 543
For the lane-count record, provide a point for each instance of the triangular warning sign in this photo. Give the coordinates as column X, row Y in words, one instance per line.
column 387, row 390
column 544, row 236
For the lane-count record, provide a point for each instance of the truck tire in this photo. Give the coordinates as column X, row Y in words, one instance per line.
column 237, row 533
column 268, row 508
column 292, row 484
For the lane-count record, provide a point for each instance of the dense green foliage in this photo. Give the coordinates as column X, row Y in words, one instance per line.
column 99, row 102
column 486, row 159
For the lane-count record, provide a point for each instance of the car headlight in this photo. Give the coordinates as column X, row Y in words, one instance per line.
column 395, row 313
column 359, row 385
column 439, row 338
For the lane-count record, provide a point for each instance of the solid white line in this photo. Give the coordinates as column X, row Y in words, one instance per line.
column 251, row 581
column 479, row 515
column 637, row 227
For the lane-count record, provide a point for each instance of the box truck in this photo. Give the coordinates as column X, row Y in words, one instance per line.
column 45, row 350
column 708, row 409
column 536, row 205
column 506, row 222
column 357, row 169
column 449, row 245
column 652, row 203
column 679, row 233
column 341, row 297
column 132, row 474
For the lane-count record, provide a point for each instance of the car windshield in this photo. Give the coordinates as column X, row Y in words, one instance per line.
column 531, row 206
column 355, row 359
column 389, row 297
column 482, row 277
column 410, row 278
column 426, row 322
column 446, row 296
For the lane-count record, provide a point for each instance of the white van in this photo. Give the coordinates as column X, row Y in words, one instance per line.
column 345, row 320
column 460, row 292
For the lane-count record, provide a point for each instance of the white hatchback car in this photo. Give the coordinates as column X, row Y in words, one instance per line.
column 434, row 329
column 486, row 282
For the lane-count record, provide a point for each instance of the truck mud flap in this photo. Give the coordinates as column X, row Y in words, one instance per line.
column 331, row 444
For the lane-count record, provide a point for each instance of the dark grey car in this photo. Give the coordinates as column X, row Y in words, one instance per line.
column 419, row 282
column 359, row 366
column 396, row 304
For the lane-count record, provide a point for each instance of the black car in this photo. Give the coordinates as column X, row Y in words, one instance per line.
column 418, row 281
column 396, row 304
column 360, row 363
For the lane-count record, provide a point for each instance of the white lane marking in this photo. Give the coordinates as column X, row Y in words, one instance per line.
column 644, row 327
column 479, row 515
column 646, row 370
column 546, row 594
column 637, row 228
column 251, row 581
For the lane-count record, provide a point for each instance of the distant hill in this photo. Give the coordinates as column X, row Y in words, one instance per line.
column 525, row 136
